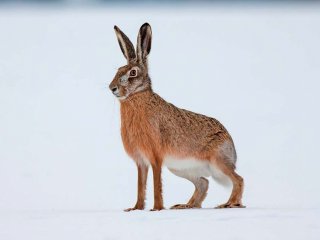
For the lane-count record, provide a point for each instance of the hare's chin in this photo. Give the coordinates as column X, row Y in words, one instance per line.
column 121, row 98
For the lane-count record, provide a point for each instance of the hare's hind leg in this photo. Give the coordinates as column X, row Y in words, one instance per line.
column 228, row 172
column 201, row 187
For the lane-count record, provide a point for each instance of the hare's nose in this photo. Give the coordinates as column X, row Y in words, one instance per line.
column 114, row 89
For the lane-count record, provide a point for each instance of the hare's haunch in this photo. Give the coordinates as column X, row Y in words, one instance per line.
column 156, row 133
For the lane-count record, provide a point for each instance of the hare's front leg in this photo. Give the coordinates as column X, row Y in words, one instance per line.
column 157, row 187
column 142, row 183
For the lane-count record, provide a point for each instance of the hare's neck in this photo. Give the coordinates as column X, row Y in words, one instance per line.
column 136, row 103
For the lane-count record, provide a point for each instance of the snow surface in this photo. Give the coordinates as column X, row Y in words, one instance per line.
column 63, row 171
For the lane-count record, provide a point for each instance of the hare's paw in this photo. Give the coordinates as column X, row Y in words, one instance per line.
column 230, row 205
column 182, row 206
column 157, row 209
column 132, row 209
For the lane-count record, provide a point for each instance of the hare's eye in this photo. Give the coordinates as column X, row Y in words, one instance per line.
column 133, row 73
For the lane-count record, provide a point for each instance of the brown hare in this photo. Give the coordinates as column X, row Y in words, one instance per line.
column 156, row 133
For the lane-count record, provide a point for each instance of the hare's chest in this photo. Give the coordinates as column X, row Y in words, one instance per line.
column 136, row 138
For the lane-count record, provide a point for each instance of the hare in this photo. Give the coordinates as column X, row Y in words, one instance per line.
column 156, row 133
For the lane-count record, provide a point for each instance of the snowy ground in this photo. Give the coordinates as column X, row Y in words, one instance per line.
column 186, row 224
column 63, row 171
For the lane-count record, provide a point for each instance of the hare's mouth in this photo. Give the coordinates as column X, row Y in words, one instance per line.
column 116, row 93
column 119, row 97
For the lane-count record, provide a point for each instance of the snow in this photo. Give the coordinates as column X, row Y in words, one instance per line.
column 63, row 171
column 174, row 224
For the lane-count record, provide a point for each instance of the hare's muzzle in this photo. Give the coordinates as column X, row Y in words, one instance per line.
column 114, row 90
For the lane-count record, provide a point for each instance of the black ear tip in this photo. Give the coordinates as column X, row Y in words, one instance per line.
column 145, row 25
column 116, row 28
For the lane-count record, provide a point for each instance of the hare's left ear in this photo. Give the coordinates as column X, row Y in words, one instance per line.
column 125, row 45
column 144, row 42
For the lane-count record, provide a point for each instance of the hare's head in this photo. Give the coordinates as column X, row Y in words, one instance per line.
column 133, row 77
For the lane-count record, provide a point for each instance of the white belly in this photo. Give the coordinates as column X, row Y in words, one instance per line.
column 194, row 167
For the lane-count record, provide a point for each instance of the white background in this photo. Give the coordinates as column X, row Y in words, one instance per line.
column 63, row 171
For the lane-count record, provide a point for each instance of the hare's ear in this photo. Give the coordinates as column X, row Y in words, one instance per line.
column 144, row 42
column 125, row 45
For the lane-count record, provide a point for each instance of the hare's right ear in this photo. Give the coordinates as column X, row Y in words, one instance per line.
column 125, row 45
column 144, row 42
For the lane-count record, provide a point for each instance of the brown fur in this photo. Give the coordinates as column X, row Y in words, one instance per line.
column 152, row 129
column 201, row 188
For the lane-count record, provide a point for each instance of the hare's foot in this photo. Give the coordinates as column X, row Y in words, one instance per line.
column 132, row 209
column 183, row 206
column 157, row 209
column 230, row 205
